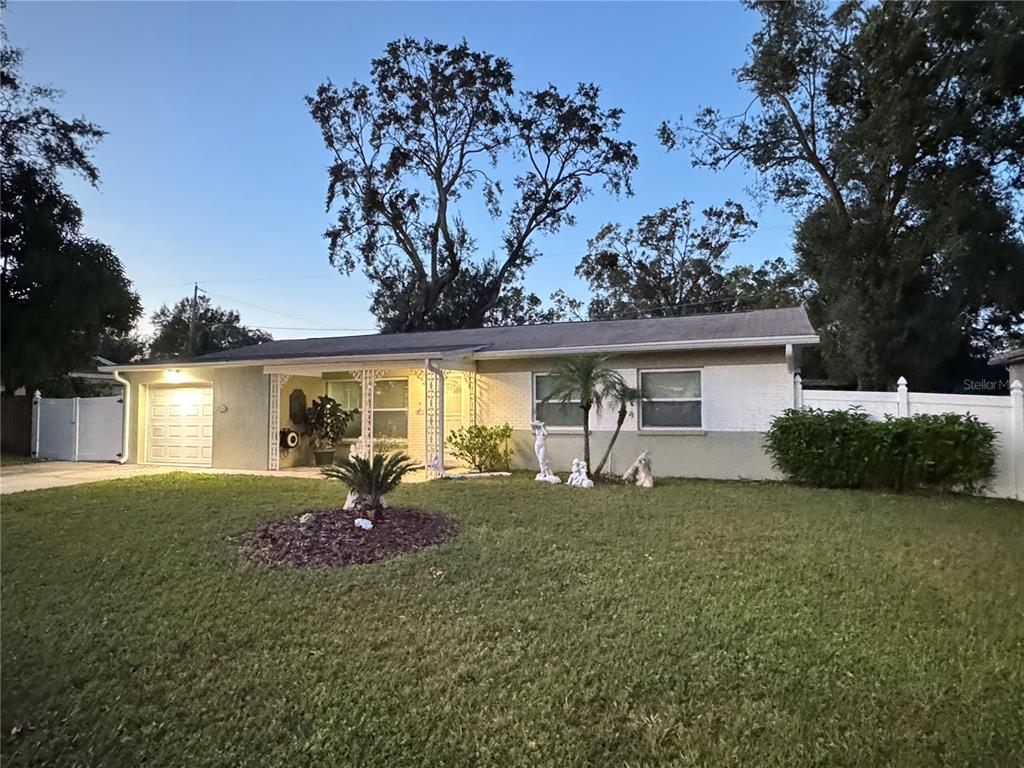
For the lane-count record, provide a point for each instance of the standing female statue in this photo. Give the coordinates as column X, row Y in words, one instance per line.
column 540, row 447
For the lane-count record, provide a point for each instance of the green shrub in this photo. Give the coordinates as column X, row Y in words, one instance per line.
column 847, row 449
column 485, row 449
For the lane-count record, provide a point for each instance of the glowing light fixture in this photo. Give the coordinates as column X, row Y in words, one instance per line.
column 175, row 376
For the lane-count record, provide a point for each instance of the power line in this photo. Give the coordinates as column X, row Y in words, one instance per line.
column 244, row 280
column 268, row 309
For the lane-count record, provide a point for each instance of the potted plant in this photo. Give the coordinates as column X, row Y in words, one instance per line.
column 325, row 424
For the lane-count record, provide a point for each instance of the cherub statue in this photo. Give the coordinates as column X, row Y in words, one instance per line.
column 579, row 478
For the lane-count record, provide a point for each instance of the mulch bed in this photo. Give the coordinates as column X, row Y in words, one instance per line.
column 331, row 538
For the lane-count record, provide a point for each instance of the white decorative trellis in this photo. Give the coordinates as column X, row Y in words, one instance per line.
column 277, row 381
column 433, row 421
column 367, row 379
column 471, row 384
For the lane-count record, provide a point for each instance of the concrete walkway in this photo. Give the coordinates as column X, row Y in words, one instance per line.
column 57, row 474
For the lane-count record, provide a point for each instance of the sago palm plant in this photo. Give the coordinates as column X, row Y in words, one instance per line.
column 371, row 479
column 586, row 380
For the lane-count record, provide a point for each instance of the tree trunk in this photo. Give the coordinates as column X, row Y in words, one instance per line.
column 615, row 436
column 586, row 436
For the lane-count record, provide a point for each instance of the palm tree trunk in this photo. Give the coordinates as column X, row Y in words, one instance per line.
column 615, row 436
column 586, row 435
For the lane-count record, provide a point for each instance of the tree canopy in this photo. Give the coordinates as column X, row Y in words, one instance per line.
column 215, row 329
column 894, row 131
column 669, row 264
column 60, row 291
column 435, row 125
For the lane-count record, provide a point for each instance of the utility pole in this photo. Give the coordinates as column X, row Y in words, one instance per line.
column 192, row 320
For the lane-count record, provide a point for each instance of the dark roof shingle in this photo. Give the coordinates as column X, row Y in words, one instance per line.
column 755, row 324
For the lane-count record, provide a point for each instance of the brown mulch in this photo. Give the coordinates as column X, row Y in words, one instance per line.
column 331, row 538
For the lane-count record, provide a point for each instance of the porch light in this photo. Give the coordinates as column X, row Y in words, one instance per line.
column 175, row 376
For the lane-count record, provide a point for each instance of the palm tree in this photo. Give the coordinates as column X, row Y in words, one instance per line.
column 583, row 379
column 625, row 395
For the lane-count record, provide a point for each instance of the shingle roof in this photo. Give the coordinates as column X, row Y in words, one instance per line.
column 760, row 324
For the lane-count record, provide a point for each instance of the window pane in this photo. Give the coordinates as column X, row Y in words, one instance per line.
column 349, row 396
column 669, row 385
column 663, row 414
column 391, row 424
column 558, row 415
column 347, row 393
column 391, row 394
column 543, row 386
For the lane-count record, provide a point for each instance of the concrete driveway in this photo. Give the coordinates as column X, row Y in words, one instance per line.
column 56, row 474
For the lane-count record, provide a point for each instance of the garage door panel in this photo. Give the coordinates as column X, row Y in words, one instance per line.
column 181, row 425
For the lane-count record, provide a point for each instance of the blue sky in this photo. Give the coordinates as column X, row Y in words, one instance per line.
column 212, row 169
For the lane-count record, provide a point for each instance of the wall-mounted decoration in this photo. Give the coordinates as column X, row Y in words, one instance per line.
column 297, row 406
column 289, row 438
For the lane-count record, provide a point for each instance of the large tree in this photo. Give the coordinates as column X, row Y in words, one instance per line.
column 669, row 264
column 199, row 327
column 436, row 125
column 60, row 291
column 894, row 131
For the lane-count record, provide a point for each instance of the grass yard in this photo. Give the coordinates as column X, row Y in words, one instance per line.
column 14, row 459
column 699, row 623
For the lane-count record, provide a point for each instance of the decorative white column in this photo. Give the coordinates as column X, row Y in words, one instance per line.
column 277, row 381
column 433, row 419
column 798, row 391
column 364, row 445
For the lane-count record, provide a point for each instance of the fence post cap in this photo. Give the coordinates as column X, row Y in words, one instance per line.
column 797, row 378
column 901, row 381
column 37, row 395
column 1016, row 386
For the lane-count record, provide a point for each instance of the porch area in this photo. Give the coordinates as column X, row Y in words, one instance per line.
column 402, row 405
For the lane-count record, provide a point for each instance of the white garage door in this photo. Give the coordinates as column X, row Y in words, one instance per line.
column 180, row 427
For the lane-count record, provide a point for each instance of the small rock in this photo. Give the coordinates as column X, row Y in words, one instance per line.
column 305, row 518
column 362, row 522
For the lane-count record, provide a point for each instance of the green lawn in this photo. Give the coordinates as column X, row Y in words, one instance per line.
column 718, row 624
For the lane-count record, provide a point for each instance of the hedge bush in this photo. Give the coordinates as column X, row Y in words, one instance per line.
column 483, row 448
column 847, row 449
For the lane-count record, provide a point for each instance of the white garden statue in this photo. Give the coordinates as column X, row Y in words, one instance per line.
column 540, row 447
column 640, row 472
column 579, row 478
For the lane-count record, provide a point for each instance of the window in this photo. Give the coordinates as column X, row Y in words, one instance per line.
column 390, row 406
column 670, row 400
column 553, row 413
column 349, row 394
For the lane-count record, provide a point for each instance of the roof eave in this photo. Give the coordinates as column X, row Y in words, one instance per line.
column 653, row 346
column 1008, row 357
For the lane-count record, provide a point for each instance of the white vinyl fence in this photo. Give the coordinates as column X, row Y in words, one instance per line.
column 1004, row 414
column 77, row 428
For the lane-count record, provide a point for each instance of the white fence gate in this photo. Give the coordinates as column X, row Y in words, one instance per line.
column 1004, row 414
column 77, row 428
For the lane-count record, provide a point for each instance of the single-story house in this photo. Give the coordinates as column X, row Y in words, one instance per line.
column 711, row 385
